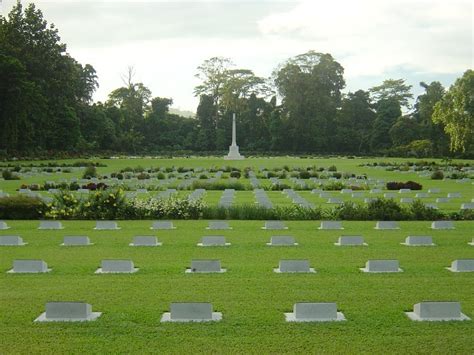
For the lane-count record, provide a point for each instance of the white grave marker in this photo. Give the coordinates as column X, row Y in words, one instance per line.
column 116, row 267
column 106, row 225
column 437, row 311
column 213, row 241
column 294, row 266
column 314, row 312
column 68, row 312
column 76, row 240
column 331, row 225
column 282, row 240
column 191, row 312
column 381, row 266
column 462, row 265
column 418, row 240
column 29, row 267
column 11, row 240
column 351, row 240
column 145, row 241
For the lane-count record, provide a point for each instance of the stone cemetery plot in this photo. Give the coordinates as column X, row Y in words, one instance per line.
column 375, row 191
column 4, row 225
column 351, row 240
column 357, row 195
column 437, row 311
column 282, row 241
column 11, row 240
column 162, row 225
column 325, row 195
column 106, row 225
column 76, row 240
column 404, row 191
column 218, row 225
column 116, row 267
column 294, row 266
column 191, row 312
column 443, row 200
column 387, row 225
column 454, row 195
column 381, row 266
column 346, row 191
column 406, row 200
column 422, row 195
column 418, row 240
column 49, row 225
column 431, row 205
column 68, row 312
column 334, row 200
column 213, row 241
column 442, row 225
column 331, row 225
column 145, row 241
column 434, row 191
column 462, row 265
column 314, row 312
column 274, row 225
column 467, row 206
column 389, row 195
column 29, row 267
column 205, row 267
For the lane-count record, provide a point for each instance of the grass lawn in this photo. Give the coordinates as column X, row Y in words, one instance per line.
column 251, row 297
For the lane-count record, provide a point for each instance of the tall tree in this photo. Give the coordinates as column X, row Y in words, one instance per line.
column 395, row 89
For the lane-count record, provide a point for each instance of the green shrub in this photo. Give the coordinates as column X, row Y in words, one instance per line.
column 90, row 172
column 8, row 175
column 420, row 212
column 21, row 207
column 332, row 168
column 305, row 175
column 437, row 175
column 235, row 174
column 385, row 210
column 219, row 185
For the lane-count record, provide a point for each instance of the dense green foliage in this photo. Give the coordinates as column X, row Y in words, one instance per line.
column 46, row 105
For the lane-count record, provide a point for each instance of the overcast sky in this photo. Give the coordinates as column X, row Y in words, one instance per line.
column 419, row 40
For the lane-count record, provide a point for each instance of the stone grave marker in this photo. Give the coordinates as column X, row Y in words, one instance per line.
column 162, row 225
column 331, row 225
column 76, row 240
column 68, row 312
column 389, row 195
column 145, row 241
column 404, row 191
column 351, row 240
column 437, row 311
column 4, row 225
column 418, row 240
column 29, row 267
column 282, row 240
column 406, row 200
column 218, row 225
column 381, row 266
column 462, row 265
column 442, row 225
column 467, row 206
column 294, row 266
column 191, row 312
column 314, row 312
column 50, row 225
column 116, row 266
column 334, row 200
column 454, row 195
column 106, row 225
column 213, row 241
column 205, row 266
column 443, row 200
column 274, row 225
column 434, row 191
column 387, row 225
column 11, row 240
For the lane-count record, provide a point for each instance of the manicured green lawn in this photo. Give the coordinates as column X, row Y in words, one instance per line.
column 251, row 297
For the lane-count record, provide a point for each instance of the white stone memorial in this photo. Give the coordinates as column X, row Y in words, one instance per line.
column 331, row 225
column 334, row 200
column 162, row 225
column 471, row 242
column 387, row 225
column 4, row 225
column 50, row 225
column 68, row 312
column 218, row 225
column 76, row 240
column 437, row 311
column 454, row 195
column 205, row 267
column 294, row 266
column 11, row 240
column 234, row 148
column 434, row 191
column 106, row 225
column 191, row 312
column 282, row 240
column 443, row 200
column 351, row 240
column 419, row 241
column 274, row 225
column 29, row 267
column 213, row 241
column 145, row 241
column 467, row 206
column 116, row 267
column 314, row 312
column 404, row 191
column 381, row 266
column 462, row 265
column 442, row 225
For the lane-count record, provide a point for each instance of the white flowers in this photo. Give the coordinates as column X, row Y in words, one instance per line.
column 172, row 207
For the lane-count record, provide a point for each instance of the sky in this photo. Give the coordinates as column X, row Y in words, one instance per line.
column 165, row 41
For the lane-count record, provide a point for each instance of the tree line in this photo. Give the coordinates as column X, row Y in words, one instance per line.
column 46, row 105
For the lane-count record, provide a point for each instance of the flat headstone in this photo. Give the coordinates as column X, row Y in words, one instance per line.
column 386, row 225
column 83, row 191
column 331, row 225
column 106, row 225
column 4, row 225
column 422, row 195
column 205, row 266
column 389, row 195
column 116, row 266
column 334, row 200
column 191, row 312
column 29, row 267
column 443, row 200
column 274, row 225
column 442, row 225
column 218, row 225
column 437, row 311
column 346, row 191
column 213, row 241
column 380, row 266
column 375, row 191
column 314, row 312
column 76, row 240
column 68, row 312
column 467, row 206
column 454, row 195
column 369, row 199
column 462, row 265
column 471, row 242
column 418, row 240
column 434, row 191
column 144, row 241
column 11, row 240
column 294, row 266
column 357, row 195
column 282, row 240
column 404, row 191
column 351, row 240
column 406, row 200
column 50, row 225
column 163, row 225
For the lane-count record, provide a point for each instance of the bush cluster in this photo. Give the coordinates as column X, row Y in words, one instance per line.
column 412, row 185
column 21, row 207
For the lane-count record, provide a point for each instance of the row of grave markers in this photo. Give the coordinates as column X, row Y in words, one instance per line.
column 203, row 312
column 120, row 266
column 223, row 225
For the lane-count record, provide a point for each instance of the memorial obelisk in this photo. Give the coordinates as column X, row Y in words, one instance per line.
column 234, row 148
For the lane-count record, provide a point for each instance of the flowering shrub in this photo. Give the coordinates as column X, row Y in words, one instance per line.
column 64, row 206
column 173, row 208
column 109, row 204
